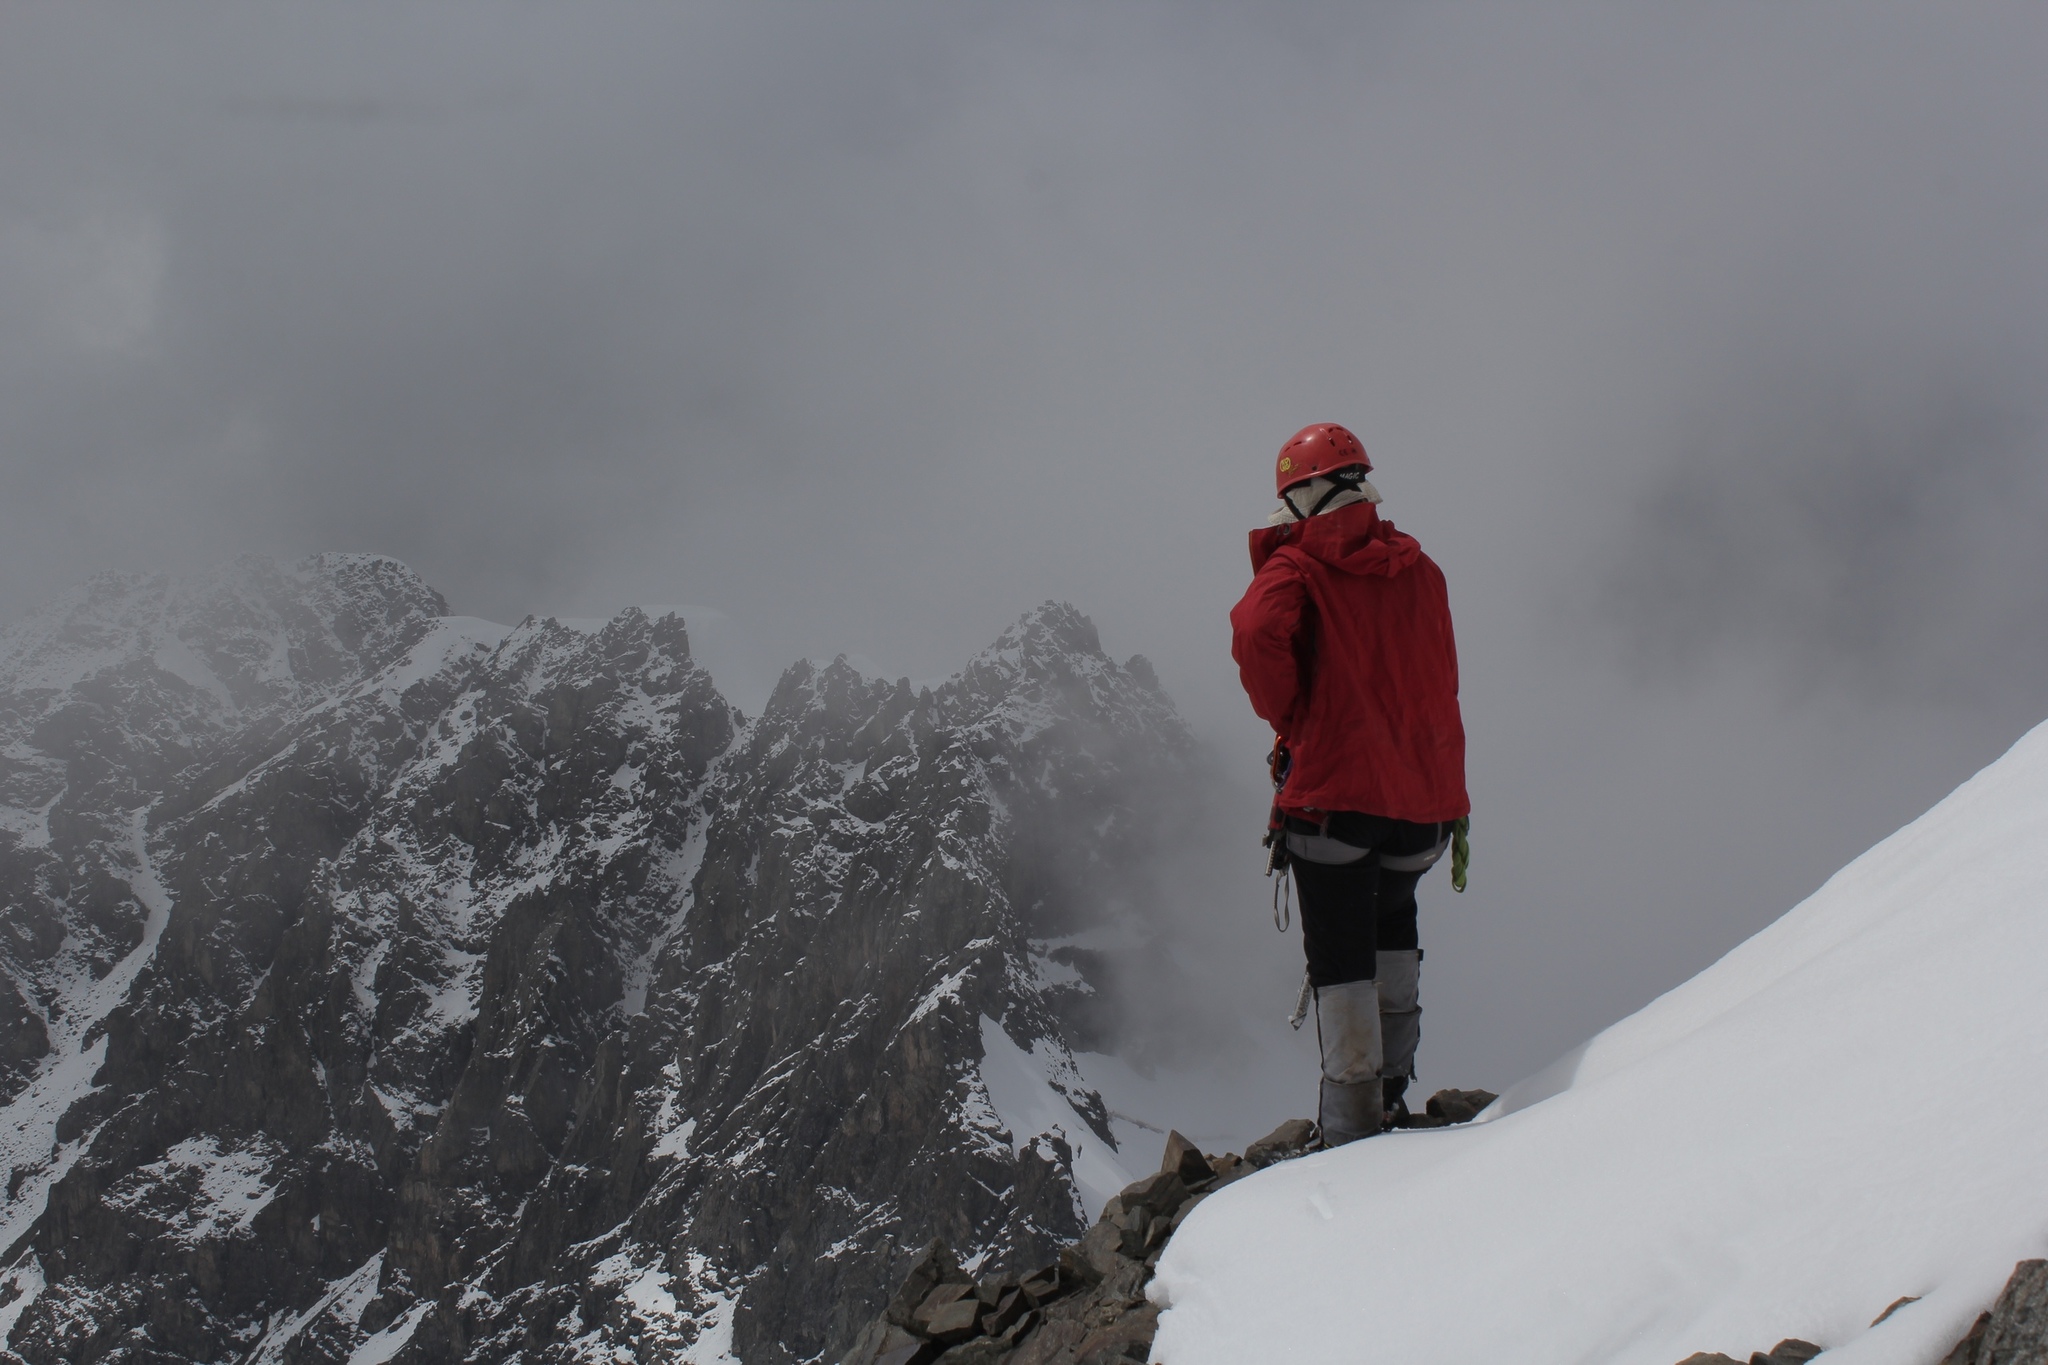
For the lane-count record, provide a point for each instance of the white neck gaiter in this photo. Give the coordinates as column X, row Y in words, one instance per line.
column 1305, row 496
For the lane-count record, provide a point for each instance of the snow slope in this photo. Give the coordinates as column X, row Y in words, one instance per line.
column 1761, row 1153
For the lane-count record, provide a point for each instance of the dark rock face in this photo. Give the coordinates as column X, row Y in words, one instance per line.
column 382, row 980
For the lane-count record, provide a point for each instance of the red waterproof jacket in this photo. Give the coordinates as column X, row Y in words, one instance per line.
column 1344, row 644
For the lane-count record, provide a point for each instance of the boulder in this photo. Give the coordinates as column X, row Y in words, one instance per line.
column 2017, row 1333
column 1185, row 1160
column 1007, row 1310
column 1051, row 1343
column 936, row 1265
column 884, row 1343
column 1161, row 1192
column 917, row 1352
column 1041, row 1287
column 980, row 1351
column 1791, row 1351
column 944, row 1299
column 1095, row 1255
column 876, row 1339
column 1128, row 1338
column 1291, row 1138
column 1707, row 1357
column 1132, row 1225
column 1458, row 1106
column 1022, row 1328
column 954, row 1322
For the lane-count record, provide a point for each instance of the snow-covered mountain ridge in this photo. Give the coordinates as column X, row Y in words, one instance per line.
column 1769, row 1151
column 391, row 986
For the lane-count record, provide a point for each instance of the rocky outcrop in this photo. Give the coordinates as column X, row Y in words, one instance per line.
column 2013, row 1331
column 1089, row 1306
column 1790, row 1351
column 380, row 981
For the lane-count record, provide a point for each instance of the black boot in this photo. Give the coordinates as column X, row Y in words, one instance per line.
column 1393, row 1091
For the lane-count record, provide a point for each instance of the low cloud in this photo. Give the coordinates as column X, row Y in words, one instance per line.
column 1875, row 534
column 92, row 285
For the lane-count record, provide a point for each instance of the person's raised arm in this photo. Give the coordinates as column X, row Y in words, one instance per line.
column 1264, row 626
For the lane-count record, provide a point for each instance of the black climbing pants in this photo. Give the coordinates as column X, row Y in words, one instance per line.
column 1349, row 911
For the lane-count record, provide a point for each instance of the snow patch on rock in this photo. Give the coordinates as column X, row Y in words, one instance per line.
column 1030, row 1094
column 200, row 1190
column 380, row 1347
column 345, row 1300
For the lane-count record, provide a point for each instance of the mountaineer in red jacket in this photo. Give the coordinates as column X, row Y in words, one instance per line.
column 1344, row 644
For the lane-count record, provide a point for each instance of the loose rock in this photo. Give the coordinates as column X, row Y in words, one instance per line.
column 954, row 1322
column 1041, row 1287
column 1290, row 1139
column 936, row 1266
column 1458, row 1106
column 884, row 1343
column 1185, row 1159
column 1129, row 1337
column 980, row 1351
column 1161, row 1192
column 1089, row 1308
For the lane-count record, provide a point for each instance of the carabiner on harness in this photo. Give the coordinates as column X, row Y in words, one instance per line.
column 1301, row 1003
column 1283, row 885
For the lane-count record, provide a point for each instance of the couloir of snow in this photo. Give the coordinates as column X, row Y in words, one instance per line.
column 1771, row 1150
column 1029, row 1094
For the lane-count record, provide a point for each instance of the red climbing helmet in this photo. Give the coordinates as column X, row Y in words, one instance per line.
column 1323, row 448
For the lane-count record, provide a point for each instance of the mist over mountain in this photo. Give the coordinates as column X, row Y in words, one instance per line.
column 385, row 984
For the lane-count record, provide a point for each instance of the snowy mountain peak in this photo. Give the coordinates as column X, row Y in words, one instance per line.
column 1053, row 657
column 391, row 985
column 250, row 634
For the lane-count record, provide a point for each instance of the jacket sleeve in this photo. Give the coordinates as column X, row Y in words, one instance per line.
column 1264, row 626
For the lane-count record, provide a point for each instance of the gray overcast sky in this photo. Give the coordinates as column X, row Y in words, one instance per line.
column 1703, row 346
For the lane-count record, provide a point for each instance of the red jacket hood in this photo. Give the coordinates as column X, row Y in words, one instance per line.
column 1353, row 539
